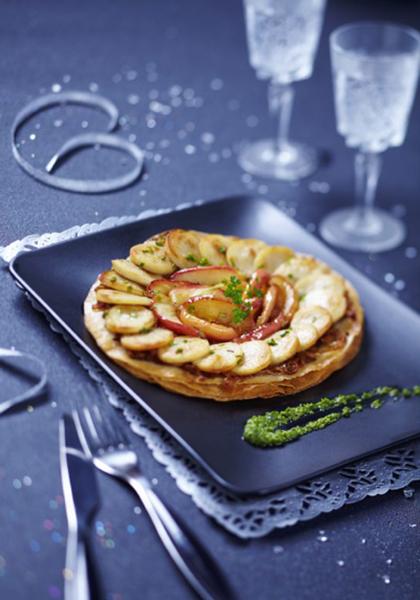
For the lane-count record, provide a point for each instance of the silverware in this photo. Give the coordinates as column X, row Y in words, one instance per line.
column 81, row 498
column 107, row 443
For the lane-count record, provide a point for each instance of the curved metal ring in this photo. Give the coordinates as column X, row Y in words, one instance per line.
column 90, row 186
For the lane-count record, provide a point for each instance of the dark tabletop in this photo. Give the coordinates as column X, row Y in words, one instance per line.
column 136, row 53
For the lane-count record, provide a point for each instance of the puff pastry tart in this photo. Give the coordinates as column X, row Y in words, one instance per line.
column 225, row 318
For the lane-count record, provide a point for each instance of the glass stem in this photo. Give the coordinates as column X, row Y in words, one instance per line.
column 367, row 169
column 280, row 101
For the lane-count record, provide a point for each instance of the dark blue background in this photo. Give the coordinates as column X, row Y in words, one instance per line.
column 192, row 43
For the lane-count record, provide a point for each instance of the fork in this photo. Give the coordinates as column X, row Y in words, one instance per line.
column 105, row 441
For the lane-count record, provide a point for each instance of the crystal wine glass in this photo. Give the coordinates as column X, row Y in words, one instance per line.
column 283, row 36
column 375, row 70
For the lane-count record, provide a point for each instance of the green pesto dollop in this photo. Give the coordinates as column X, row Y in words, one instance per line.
column 279, row 427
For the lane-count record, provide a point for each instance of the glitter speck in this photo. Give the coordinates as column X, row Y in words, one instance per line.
column 17, row 484
column 322, row 538
column 131, row 529
column 399, row 285
column 207, row 137
column 386, row 579
column 175, row 90
column 190, row 149
column 389, row 561
column 137, row 510
column 154, row 481
column 252, row 121
column 131, row 75
column 412, row 525
column 151, row 123
column 27, row 480
column 363, row 540
column 246, row 178
column 278, row 549
column 411, row 252
column 213, row 157
column 389, row 277
column 56, row 88
column 340, row 563
column 58, row 123
column 408, row 492
column 216, row 84
column 93, row 87
column 84, row 124
column 319, row 187
column 68, row 574
column 133, row 99
column 54, row 404
column 48, row 524
column 32, row 136
column 132, row 137
column 66, row 78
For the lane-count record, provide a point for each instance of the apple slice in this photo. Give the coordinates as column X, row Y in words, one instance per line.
column 272, row 257
column 113, row 280
column 168, row 318
column 153, row 340
column 184, row 349
column 183, row 291
column 206, row 275
column 221, row 358
column 182, row 247
column 127, row 269
column 214, row 331
column 283, row 345
column 317, row 316
column 129, row 319
column 152, row 257
column 256, row 357
column 241, row 254
column 289, row 297
column 210, row 308
column 271, row 300
column 115, row 297
column 213, row 248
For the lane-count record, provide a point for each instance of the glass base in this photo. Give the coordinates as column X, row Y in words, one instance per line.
column 377, row 232
column 294, row 162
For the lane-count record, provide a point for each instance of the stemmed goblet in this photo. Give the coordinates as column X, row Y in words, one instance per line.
column 283, row 37
column 375, row 71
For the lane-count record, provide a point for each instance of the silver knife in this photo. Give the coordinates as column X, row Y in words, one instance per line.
column 81, row 497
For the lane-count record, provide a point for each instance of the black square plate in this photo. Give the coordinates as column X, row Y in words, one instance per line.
column 59, row 276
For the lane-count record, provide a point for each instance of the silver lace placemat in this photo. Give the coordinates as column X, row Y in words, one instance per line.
column 251, row 517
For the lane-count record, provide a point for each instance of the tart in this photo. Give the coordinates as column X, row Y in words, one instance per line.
column 225, row 318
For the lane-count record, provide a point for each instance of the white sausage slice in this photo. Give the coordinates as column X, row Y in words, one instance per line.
column 152, row 257
column 317, row 316
column 114, row 297
column 155, row 339
column 256, row 356
column 283, row 345
column 184, row 349
column 307, row 335
column 127, row 269
column 221, row 358
column 129, row 319
column 241, row 254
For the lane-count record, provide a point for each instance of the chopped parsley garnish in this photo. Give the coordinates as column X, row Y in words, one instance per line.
column 272, row 343
column 284, row 333
column 222, row 249
column 191, row 257
column 179, row 351
column 240, row 314
column 203, row 262
column 160, row 243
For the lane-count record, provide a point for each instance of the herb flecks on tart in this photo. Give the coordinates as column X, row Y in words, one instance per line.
column 221, row 317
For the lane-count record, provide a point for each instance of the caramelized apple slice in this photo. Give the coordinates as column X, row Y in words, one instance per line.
column 168, row 318
column 129, row 319
column 221, row 358
column 153, row 340
column 159, row 289
column 241, row 254
column 115, row 281
column 184, row 349
column 214, row 331
column 271, row 300
column 306, row 334
column 213, row 248
column 283, row 345
column 127, row 269
column 182, row 247
column 152, row 257
column 256, row 357
column 272, row 257
column 215, row 310
column 115, row 297
column 206, row 275
column 317, row 316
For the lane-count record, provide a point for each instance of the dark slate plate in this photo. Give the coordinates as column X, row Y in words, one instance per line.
column 59, row 276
